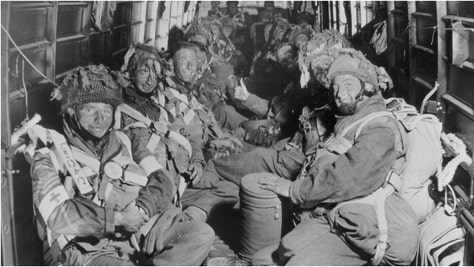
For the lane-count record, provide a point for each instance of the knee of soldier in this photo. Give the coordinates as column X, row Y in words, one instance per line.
column 202, row 232
column 261, row 153
column 266, row 256
column 288, row 243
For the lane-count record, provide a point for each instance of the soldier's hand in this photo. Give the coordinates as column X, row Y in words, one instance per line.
column 241, row 92
column 275, row 184
column 196, row 170
column 130, row 218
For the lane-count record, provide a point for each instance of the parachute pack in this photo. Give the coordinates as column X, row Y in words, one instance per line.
column 423, row 155
column 410, row 176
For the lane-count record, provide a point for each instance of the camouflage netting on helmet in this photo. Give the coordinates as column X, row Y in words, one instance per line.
column 137, row 55
column 208, row 31
column 351, row 61
column 313, row 56
column 202, row 27
column 305, row 31
column 319, row 65
column 93, row 83
column 276, row 34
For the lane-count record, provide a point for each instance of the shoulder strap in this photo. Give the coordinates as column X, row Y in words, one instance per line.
column 159, row 127
column 66, row 156
column 135, row 114
column 363, row 121
column 124, row 140
column 372, row 117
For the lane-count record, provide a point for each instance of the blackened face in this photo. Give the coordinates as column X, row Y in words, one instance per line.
column 96, row 118
column 347, row 91
column 185, row 64
column 286, row 58
column 145, row 77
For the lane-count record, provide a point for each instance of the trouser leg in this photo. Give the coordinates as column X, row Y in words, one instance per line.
column 228, row 117
column 109, row 260
column 312, row 243
column 111, row 255
column 285, row 164
column 223, row 194
column 186, row 243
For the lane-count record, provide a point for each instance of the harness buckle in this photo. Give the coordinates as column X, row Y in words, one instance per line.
column 159, row 127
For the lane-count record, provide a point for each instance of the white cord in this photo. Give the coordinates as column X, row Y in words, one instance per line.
column 446, row 176
column 23, row 55
column 24, row 86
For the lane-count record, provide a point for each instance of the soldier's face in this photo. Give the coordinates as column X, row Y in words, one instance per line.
column 185, row 64
column 96, row 118
column 233, row 9
column 145, row 77
column 286, row 58
column 347, row 91
column 227, row 30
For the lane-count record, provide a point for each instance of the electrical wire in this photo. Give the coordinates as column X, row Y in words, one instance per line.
column 26, row 58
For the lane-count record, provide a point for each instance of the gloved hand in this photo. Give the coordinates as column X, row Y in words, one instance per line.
column 154, row 240
column 241, row 92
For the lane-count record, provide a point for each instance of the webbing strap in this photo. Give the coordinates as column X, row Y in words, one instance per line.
column 86, row 160
column 94, row 164
column 188, row 116
column 160, row 127
column 182, row 186
column 160, row 102
column 126, row 109
column 380, row 196
column 70, row 162
column 179, row 96
column 363, row 121
column 153, row 142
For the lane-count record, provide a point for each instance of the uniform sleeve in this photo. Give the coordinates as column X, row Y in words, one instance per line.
column 356, row 173
column 257, row 105
column 195, row 131
column 157, row 194
column 64, row 214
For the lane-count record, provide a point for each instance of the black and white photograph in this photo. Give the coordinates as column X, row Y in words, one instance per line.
column 237, row 133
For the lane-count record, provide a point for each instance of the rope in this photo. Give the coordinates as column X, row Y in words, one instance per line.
column 27, row 60
column 446, row 176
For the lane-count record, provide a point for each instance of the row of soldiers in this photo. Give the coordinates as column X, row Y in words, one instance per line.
column 160, row 145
